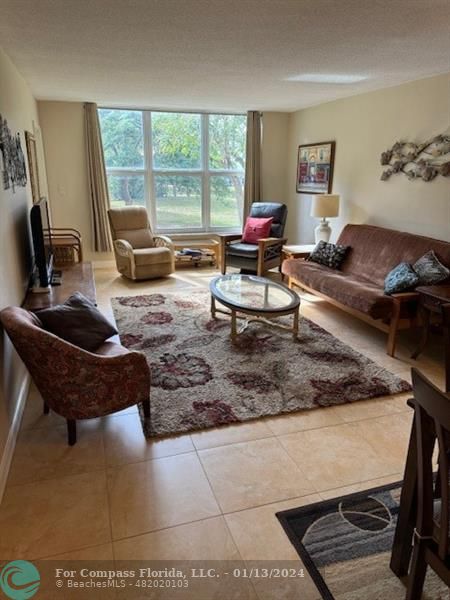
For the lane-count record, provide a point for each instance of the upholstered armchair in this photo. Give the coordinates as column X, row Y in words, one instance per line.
column 74, row 383
column 139, row 254
column 256, row 258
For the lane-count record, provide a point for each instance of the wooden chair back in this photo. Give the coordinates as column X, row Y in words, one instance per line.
column 432, row 415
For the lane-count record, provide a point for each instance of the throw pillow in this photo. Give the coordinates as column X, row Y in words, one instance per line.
column 401, row 279
column 255, row 229
column 78, row 321
column 430, row 270
column 329, row 255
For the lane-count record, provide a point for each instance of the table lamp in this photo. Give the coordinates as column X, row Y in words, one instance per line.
column 323, row 206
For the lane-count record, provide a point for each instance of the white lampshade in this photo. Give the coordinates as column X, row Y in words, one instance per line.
column 325, row 205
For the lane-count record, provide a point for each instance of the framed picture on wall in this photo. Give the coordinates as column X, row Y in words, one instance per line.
column 315, row 168
column 33, row 166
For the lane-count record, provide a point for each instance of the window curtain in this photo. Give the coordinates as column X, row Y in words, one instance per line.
column 98, row 184
column 252, row 189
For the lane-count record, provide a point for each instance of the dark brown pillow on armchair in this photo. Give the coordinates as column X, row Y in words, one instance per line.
column 78, row 321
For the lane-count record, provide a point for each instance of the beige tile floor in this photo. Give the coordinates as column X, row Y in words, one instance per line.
column 211, row 494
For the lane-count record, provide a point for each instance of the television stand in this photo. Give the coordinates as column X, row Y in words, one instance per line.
column 75, row 278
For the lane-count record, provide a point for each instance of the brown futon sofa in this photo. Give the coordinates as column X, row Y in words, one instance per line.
column 358, row 287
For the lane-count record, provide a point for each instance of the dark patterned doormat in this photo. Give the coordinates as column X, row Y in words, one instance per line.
column 200, row 379
column 345, row 544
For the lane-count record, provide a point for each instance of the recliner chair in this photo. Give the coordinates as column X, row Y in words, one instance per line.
column 256, row 258
column 139, row 254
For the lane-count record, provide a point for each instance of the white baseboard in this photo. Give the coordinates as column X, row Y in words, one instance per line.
column 6, row 458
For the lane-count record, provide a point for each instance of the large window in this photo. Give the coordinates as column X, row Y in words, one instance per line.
column 187, row 168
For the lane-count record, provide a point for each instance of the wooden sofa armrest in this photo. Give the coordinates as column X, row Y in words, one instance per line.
column 268, row 249
column 406, row 296
column 225, row 239
column 271, row 241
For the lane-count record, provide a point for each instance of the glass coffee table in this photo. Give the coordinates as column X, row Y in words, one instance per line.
column 258, row 298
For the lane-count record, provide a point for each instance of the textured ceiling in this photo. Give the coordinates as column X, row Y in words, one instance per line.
column 228, row 54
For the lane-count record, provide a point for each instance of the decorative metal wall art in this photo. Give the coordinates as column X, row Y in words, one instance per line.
column 13, row 169
column 418, row 161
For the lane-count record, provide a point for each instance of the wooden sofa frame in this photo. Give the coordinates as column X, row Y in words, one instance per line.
column 391, row 327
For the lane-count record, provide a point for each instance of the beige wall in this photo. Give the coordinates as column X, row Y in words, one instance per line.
column 62, row 125
column 363, row 127
column 19, row 107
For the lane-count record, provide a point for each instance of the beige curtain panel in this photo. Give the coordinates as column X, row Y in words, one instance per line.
column 252, row 190
column 98, row 184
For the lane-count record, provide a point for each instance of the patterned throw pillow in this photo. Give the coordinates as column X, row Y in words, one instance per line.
column 430, row 270
column 401, row 279
column 329, row 255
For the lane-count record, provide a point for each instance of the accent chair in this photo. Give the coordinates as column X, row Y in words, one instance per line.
column 256, row 258
column 74, row 383
column 139, row 254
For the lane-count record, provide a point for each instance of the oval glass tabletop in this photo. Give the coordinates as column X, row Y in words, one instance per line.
column 250, row 292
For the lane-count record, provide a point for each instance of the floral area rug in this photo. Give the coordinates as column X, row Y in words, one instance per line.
column 200, row 379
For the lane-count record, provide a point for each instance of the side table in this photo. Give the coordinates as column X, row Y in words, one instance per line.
column 431, row 300
column 301, row 251
column 211, row 245
column 291, row 251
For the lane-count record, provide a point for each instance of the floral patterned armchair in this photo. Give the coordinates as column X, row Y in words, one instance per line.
column 75, row 383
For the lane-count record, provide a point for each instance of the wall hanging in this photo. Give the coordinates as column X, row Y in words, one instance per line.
column 315, row 168
column 418, row 161
column 13, row 160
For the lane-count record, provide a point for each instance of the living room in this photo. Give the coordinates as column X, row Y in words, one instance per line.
column 253, row 200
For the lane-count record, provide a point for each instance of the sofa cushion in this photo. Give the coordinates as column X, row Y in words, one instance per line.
column 243, row 250
column 78, row 321
column 375, row 250
column 152, row 256
column 138, row 238
column 329, row 255
column 130, row 223
column 402, row 278
column 356, row 293
column 430, row 270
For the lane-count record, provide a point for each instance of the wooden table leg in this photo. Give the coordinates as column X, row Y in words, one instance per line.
column 446, row 331
column 402, row 545
column 233, row 326
column 295, row 324
column 425, row 315
column 213, row 307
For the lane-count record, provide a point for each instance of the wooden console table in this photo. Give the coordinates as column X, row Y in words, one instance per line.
column 75, row 278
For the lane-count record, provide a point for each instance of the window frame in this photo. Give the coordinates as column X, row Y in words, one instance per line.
column 204, row 172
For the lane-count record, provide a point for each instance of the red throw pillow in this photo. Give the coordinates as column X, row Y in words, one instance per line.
column 255, row 229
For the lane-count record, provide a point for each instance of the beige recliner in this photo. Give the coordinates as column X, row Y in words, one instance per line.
column 139, row 254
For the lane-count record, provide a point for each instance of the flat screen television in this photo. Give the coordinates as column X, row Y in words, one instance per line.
column 42, row 243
